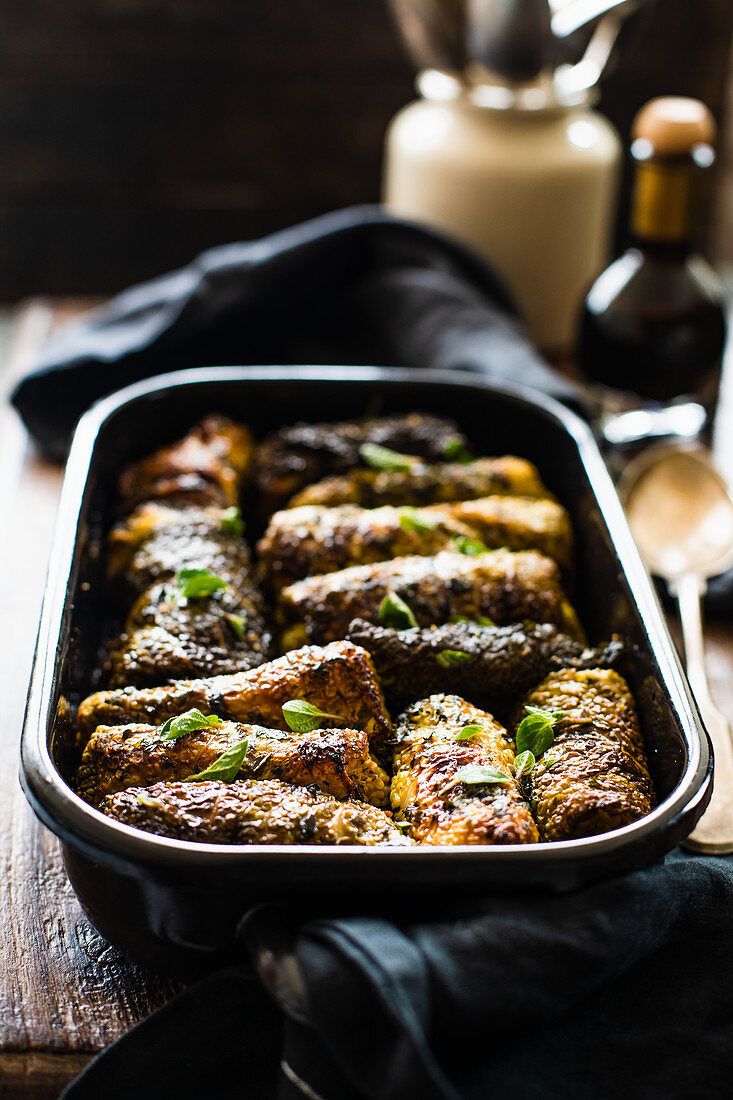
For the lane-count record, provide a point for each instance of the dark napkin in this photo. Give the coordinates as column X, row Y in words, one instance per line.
column 624, row 989
column 354, row 287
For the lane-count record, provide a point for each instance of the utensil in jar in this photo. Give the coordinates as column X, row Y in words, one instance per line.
column 681, row 514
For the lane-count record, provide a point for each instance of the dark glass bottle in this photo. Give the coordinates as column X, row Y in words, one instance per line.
column 653, row 325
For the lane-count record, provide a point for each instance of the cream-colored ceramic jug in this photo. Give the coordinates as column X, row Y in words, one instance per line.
column 532, row 188
column 504, row 150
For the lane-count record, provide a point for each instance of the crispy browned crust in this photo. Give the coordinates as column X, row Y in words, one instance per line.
column 336, row 760
column 506, row 587
column 426, row 758
column 294, row 456
column 208, row 466
column 251, row 812
column 427, row 484
column 339, row 679
column 156, row 540
column 168, row 638
column 520, row 523
column 300, row 542
column 595, row 776
column 503, row 662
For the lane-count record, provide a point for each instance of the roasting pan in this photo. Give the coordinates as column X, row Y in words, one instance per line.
column 170, row 903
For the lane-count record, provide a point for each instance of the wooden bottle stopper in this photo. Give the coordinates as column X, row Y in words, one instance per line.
column 672, row 126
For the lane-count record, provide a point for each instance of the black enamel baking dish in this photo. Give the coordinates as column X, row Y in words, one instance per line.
column 167, row 901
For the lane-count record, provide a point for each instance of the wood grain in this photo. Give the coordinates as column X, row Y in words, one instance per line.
column 64, row 992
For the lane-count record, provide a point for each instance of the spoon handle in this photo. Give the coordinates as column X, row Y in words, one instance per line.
column 714, row 831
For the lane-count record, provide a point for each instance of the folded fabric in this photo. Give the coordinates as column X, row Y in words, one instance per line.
column 619, row 990
column 354, row 287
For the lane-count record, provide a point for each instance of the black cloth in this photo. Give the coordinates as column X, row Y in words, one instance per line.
column 621, row 990
column 355, row 287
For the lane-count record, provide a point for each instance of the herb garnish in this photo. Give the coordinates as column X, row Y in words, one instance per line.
column 456, row 451
column 302, row 716
column 452, row 658
column 226, row 767
column 524, row 763
column 382, row 458
column 193, row 584
column 482, row 620
column 148, row 803
column 236, row 622
column 475, row 774
column 395, row 614
column 414, row 521
column 471, row 547
column 536, row 732
column 192, row 720
column 232, row 521
column 468, row 732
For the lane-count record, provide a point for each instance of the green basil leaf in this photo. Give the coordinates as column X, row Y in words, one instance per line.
column 414, row 521
column 536, row 732
column 475, row 774
column 302, row 716
column 482, row 620
column 236, row 622
column 452, row 658
column 193, row 584
column 524, row 763
column 382, row 458
column 395, row 614
column 468, row 732
column 226, row 767
column 456, row 451
column 149, row 803
column 471, row 547
column 191, row 720
column 542, row 712
column 232, row 522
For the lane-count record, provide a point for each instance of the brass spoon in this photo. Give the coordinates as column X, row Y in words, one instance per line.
column 681, row 514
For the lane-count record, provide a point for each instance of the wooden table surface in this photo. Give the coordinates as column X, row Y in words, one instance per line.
column 64, row 992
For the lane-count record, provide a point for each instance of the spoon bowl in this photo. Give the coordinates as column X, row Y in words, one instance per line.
column 680, row 511
column 681, row 514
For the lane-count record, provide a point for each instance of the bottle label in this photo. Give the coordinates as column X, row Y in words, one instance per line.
column 662, row 200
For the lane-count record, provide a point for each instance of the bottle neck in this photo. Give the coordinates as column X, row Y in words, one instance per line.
column 662, row 206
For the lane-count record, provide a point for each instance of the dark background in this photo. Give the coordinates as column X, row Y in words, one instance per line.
column 134, row 133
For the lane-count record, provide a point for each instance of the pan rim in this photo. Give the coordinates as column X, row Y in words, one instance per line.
column 109, row 841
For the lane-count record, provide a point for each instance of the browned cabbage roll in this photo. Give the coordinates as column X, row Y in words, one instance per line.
column 313, row 539
column 504, row 586
column 338, row 679
column 595, row 776
column 424, row 484
column 207, row 466
column 264, row 811
column 336, row 760
column 456, row 789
